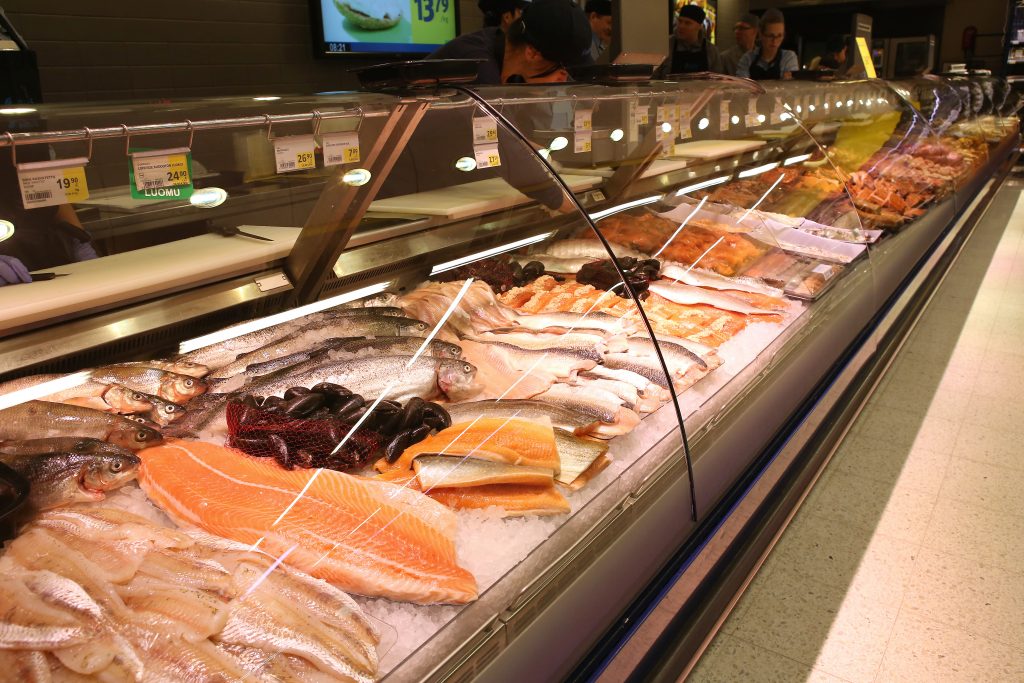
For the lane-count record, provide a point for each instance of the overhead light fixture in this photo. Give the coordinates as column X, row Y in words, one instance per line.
column 703, row 123
column 467, row 164
column 543, row 151
column 758, row 170
column 734, row 120
column 796, row 160
column 267, row 98
column 785, row 116
column 559, row 143
column 761, row 118
column 617, row 135
column 666, row 127
column 487, row 253
column 799, row 109
column 356, row 177
column 810, row 107
column 17, row 111
column 278, row 318
column 702, row 185
column 6, row 230
column 45, row 389
column 598, row 215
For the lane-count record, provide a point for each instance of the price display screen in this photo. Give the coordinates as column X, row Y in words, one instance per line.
column 383, row 26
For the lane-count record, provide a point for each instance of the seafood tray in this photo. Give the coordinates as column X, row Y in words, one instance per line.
column 806, row 244
column 801, row 277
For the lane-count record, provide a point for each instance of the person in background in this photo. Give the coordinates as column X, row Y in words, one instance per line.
column 690, row 51
column 834, row 57
column 769, row 61
column 501, row 13
column 599, row 12
column 548, row 37
column 745, row 32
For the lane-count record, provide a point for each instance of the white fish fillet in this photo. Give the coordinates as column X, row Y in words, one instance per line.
column 711, row 280
column 579, row 248
column 690, row 296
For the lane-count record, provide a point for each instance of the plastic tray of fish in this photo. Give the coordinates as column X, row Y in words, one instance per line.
column 804, row 243
column 800, row 276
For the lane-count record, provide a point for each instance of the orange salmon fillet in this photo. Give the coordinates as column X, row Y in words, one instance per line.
column 516, row 499
column 512, row 441
column 368, row 537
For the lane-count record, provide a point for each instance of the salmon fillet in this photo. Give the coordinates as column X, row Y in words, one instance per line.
column 516, row 499
column 367, row 537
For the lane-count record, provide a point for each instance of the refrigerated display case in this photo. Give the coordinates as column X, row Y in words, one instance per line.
column 496, row 362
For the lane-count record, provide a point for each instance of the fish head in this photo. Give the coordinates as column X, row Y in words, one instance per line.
column 165, row 412
column 107, row 472
column 410, row 327
column 125, row 400
column 133, row 435
column 457, row 379
column 180, row 388
column 443, row 349
column 185, row 367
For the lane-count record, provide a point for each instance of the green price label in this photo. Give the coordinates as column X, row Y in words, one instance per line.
column 433, row 21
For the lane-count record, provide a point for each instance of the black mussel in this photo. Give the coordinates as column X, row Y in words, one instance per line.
column 246, row 414
column 250, row 401
column 650, row 263
column 626, row 262
column 390, row 406
column 436, row 416
column 280, row 449
column 295, row 391
column 273, row 403
column 320, row 413
column 391, row 424
column 302, row 405
column 331, row 389
column 533, row 270
column 348, row 406
column 419, row 433
column 304, row 458
column 517, row 272
column 399, row 443
column 413, row 413
column 253, row 445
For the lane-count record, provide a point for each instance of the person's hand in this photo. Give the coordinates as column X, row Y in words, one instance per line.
column 13, row 271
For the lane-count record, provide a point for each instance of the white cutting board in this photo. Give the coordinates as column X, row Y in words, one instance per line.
column 470, row 199
column 659, row 166
column 144, row 272
column 716, row 149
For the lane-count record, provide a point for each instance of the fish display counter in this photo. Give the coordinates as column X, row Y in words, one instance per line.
column 431, row 383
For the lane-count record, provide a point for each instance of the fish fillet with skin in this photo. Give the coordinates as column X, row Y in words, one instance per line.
column 370, row 538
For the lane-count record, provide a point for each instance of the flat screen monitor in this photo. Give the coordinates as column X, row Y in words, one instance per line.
column 392, row 27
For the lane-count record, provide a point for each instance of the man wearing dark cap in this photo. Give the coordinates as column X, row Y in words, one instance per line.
column 599, row 12
column 548, row 37
column 689, row 47
column 745, row 32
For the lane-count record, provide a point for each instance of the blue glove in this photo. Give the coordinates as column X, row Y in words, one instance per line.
column 12, row 271
column 84, row 251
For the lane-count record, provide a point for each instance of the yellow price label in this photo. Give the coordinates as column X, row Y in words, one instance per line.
column 350, row 154
column 493, row 160
column 177, row 170
column 72, row 181
column 305, row 160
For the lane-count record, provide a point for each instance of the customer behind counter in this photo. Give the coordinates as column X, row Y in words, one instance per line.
column 689, row 47
column 769, row 61
column 834, row 58
column 745, row 33
column 547, row 38
column 599, row 13
column 501, row 13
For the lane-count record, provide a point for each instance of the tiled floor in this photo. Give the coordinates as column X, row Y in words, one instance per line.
column 906, row 562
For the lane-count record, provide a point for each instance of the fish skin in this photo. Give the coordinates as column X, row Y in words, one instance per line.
column 645, row 366
column 395, row 346
column 216, row 356
column 39, row 419
column 58, row 479
column 89, row 394
column 162, row 411
column 561, row 417
column 25, row 666
column 342, row 312
column 589, row 346
column 678, row 358
column 697, row 277
column 576, row 454
column 582, row 247
column 558, row 264
column 577, row 322
column 167, row 385
column 689, row 295
column 61, row 444
column 29, row 622
column 615, row 419
column 561, row 363
column 498, row 378
column 446, row 471
column 182, row 367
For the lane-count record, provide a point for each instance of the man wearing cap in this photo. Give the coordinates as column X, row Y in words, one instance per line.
column 689, row 48
column 745, row 32
column 547, row 38
column 599, row 12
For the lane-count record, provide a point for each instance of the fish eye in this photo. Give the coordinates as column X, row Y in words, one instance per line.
column 116, row 466
column 189, row 382
column 136, row 396
column 466, row 368
column 168, row 409
column 141, row 435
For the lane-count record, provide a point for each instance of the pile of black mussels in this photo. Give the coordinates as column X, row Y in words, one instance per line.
column 305, row 427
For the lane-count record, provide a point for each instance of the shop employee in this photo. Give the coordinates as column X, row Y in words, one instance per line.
column 769, row 61
column 547, row 38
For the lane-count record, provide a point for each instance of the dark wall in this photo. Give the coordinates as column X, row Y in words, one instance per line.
column 146, row 49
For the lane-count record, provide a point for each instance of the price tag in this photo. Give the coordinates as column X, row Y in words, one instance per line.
column 161, row 168
column 777, row 111
column 49, row 183
column 485, row 130
column 294, row 153
column 751, row 120
column 583, row 141
column 724, row 115
column 684, row 127
column 643, row 116
column 582, row 120
column 433, row 21
column 487, row 157
column 341, row 148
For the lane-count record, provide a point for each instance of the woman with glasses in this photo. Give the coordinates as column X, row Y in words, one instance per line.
column 769, row 61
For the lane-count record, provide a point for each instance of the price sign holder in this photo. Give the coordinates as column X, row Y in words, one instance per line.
column 485, row 130
column 153, row 172
column 724, row 116
column 50, row 183
column 341, row 147
column 751, row 118
column 294, row 153
column 487, row 156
